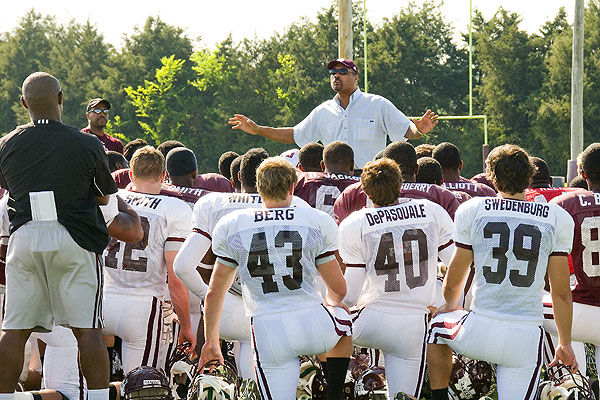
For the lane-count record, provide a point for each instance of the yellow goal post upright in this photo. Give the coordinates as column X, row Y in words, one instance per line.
column 485, row 148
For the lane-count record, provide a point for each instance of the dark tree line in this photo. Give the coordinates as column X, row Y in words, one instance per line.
column 164, row 85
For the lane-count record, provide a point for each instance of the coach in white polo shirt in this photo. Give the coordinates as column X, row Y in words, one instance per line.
column 360, row 119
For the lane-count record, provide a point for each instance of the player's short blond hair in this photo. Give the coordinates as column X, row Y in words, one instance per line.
column 147, row 164
column 381, row 180
column 274, row 177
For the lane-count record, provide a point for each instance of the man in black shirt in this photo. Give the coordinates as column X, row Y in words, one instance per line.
column 56, row 177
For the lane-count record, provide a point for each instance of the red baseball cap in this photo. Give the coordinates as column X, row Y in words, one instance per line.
column 344, row 61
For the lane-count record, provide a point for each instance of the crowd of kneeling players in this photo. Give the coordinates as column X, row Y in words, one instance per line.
column 404, row 220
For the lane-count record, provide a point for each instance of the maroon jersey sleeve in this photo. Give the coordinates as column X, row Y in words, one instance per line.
column 584, row 207
column 483, row 179
column 445, row 198
column 352, row 199
column 121, row 177
column 214, row 183
column 461, row 196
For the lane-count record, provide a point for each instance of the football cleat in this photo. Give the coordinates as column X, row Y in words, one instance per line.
column 146, row 383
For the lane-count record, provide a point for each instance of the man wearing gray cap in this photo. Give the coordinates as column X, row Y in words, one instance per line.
column 362, row 120
column 97, row 116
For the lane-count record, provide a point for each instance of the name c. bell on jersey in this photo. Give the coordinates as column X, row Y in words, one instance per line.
column 526, row 207
column 274, row 215
column 585, row 203
column 396, row 213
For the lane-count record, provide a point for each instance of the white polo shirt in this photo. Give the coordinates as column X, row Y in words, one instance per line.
column 364, row 125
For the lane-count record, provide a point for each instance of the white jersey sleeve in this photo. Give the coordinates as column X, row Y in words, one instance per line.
column 350, row 240
column 220, row 245
column 178, row 226
column 110, row 210
column 463, row 220
column 201, row 214
column 563, row 241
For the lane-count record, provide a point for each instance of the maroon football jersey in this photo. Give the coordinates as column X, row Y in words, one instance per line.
column 483, row 179
column 472, row 189
column 109, row 142
column 461, row 196
column 353, row 198
column 544, row 195
column 190, row 195
column 214, row 183
column 584, row 207
column 320, row 189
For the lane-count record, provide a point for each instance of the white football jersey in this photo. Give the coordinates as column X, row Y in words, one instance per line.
column 398, row 245
column 209, row 209
column 277, row 251
column 511, row 242
column 140, row 268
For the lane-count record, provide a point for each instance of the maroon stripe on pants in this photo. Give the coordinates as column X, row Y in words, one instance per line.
column 551, row 349
column 337, row 330
column 158, row 335
column 149, row 332
column 533, row 384
column 422, row 368
column 260, row 373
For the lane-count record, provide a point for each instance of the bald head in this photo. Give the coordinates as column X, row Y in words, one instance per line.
column 42, row 96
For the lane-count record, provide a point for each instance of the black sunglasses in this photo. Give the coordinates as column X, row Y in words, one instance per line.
column 341, row 71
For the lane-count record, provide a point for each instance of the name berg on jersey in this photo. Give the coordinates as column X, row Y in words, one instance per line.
column 142, row 201
column 526, row 207
column 395, row 214
column 273, row 215
column 585, row 203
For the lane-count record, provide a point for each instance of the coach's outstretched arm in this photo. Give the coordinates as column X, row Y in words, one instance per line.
column 282, row 135
column 562, row 306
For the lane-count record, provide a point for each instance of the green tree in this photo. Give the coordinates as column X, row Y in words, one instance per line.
column 157, row 103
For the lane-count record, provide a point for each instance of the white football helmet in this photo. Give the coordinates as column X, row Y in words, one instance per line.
column 220, row 384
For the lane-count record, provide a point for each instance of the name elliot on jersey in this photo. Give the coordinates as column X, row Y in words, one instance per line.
column 526, row 207
column 396, row 213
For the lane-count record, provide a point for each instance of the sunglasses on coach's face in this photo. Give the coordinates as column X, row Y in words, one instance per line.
column 99, row 111
column 341, row 71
